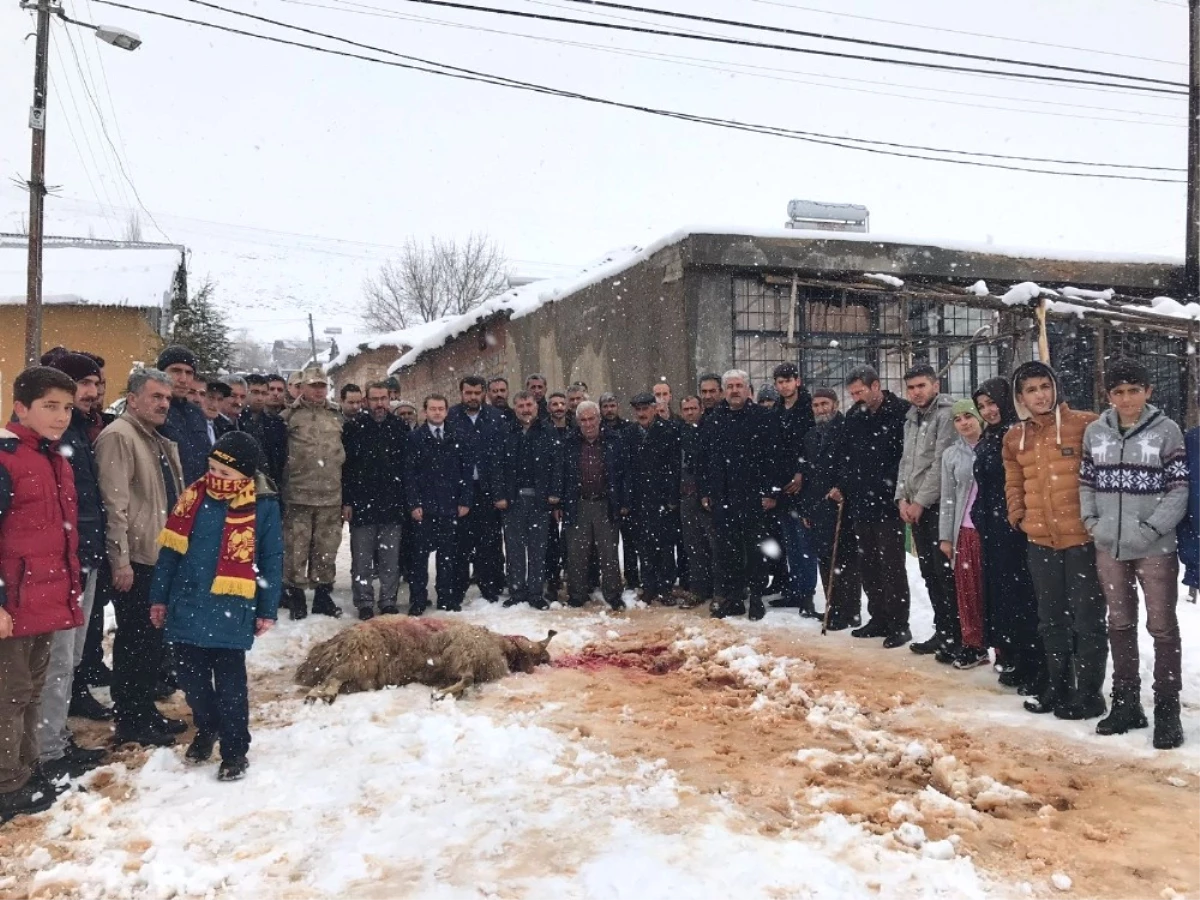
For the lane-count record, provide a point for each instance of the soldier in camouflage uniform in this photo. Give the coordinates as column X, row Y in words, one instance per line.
column 312, row 521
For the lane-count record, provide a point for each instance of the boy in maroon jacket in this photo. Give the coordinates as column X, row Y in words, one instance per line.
column 39, row 572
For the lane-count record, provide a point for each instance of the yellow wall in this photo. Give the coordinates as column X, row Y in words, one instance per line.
column 122, row 336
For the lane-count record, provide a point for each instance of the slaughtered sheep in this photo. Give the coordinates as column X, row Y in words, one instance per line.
column 392, row 650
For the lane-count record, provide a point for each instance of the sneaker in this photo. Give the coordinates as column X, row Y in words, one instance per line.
column 34, row 796
column 970, row 658
column 873, row 629
column 929, row 647
column 85, row 706
column 365, row 613
column 201, row 748
column 233, row 769
column 947, row 654
column 897, row 639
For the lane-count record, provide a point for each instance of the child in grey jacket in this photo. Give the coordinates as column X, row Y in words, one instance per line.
column 1133, row 491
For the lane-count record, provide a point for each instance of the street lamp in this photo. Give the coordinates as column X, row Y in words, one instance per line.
column 118, row 37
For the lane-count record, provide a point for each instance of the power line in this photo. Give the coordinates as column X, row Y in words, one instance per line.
column 769, row 73
column 116, row 154
column 64, row 87
column 863, row 42
column 95, row 116
column 711, row 120
column 456, row 72
column 991, row 37
column 739, row 42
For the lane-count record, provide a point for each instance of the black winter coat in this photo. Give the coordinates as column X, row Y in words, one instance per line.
column 483, row 439
column 821, row 445
column 272, row 435
column 373, row 473
column 654, row 461
column 87, row 489
column 615, row 471
column 437, row 474
column 868, row 459
column 188, row 428
column 1010, row 607
column 741, row 458
column 794, row 425
column 546, row 453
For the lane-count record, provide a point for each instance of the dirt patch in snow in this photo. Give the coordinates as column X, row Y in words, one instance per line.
column 790, row 728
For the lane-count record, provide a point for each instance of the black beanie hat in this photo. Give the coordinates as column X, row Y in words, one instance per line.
column 173, row 356
column 76, row 365
column 239, row 451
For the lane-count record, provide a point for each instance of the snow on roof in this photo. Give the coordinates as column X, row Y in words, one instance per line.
column 402, row 339
column 528, row 298
column 89, row 273
column 521, row 301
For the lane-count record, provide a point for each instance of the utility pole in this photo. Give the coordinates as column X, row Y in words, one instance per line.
column 37, row 189
column 1192, row 254
column 312, row 339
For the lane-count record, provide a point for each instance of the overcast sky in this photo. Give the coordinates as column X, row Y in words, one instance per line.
column 290, row 173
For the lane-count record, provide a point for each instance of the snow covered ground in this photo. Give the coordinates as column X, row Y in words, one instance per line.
column 389, row 794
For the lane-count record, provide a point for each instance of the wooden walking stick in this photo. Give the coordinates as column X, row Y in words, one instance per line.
column 837, row 533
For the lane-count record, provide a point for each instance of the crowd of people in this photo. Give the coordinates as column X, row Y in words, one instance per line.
column 208, row 504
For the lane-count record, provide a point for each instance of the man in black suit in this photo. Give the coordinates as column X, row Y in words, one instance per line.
column 654, row 464
column 437, row 476
column 481, row 429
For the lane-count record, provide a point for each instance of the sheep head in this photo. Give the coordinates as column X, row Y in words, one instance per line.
column 523, row 655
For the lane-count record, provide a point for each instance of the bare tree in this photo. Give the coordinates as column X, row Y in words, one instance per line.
column 133, row 228
column 432, row 279
column 248, row 355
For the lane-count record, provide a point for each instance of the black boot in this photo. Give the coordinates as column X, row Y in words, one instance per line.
column 323, row 604
column 1126, row 714
column 757, row 609
column 85, row 706
column 1168, row 731
column 1054, row 695
column 201, row 748
column 34, row 796
column 727, row 608
column 296, row 603
column 807, row 610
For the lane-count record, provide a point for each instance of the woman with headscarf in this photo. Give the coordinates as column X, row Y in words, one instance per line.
column 1010, row 611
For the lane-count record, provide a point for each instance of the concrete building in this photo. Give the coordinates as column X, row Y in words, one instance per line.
column 711, row 300
column 111, row 298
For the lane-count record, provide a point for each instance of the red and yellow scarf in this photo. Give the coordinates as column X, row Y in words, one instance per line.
column 235, row 563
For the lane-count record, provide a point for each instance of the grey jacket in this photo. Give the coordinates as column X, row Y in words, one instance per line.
column 958, row 474
column 1133, row 488
column 927, row 434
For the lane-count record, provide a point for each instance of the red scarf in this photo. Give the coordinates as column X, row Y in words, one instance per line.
column 236, row 574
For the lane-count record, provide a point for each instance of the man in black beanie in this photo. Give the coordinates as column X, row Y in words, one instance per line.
column 186, row 424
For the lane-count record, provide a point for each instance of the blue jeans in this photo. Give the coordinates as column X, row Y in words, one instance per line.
column 215, row 684
column 801, row 557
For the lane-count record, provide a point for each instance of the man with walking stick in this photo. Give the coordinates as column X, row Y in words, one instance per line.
column 830, row 531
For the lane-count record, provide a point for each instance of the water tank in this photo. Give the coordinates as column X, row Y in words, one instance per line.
column 818, row 216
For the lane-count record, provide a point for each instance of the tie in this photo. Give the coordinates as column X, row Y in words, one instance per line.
column 437, row 433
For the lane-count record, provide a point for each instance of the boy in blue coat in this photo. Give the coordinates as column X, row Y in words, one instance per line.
column 216, row 588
